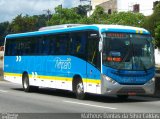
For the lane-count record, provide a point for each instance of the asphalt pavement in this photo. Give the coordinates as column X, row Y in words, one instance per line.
column 49, row 101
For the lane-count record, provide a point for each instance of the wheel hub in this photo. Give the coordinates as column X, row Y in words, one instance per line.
column 25, row 83
column 80, row 88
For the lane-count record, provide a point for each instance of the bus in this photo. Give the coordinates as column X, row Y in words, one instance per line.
column 98, row 59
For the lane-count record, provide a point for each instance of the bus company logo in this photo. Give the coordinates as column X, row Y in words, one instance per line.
column 62, row 64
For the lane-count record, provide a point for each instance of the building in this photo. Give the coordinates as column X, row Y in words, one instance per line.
column 97, row 2
column 157, row 57
column 145, row 7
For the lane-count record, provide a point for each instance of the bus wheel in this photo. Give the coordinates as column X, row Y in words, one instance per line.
column 26, row 86
column 123, row 97
column 80, row 90
column 25, row 83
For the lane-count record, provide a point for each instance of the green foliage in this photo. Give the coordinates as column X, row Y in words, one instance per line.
column 86, row 20
column 82, row 10
column 126, row 18
column 99, row 16
column 74, row 15
column 153, row 20
column 152, row 24
column 3, row 28
column 3, row 31
column 41, row 20
column 99, row 13
column 64, row 16
column 157, row 36
column 23, row 24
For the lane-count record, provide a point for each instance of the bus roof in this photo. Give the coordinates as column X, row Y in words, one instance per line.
column 101, row 28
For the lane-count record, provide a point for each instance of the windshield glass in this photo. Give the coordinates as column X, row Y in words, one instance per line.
column 128, row 51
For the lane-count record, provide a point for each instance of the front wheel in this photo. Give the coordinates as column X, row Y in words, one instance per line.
column 80, row 90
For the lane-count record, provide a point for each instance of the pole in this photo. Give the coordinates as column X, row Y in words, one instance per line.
column 60, row 12
column 90, row 8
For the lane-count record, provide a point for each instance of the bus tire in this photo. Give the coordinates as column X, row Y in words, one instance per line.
column 123, row 97
column 26, row 85
column 80, row 90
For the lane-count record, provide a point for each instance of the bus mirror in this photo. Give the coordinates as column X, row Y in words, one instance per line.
column 100, row 46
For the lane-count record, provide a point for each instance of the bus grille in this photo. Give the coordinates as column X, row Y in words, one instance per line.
column 127, row 90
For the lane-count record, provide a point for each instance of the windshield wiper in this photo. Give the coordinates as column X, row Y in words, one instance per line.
column 144, row 67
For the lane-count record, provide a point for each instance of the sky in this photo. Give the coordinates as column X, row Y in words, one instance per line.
column 9, row 9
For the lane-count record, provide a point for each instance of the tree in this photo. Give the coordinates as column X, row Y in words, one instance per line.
column 41, row 20
column 64, row 16
column 126, row 18
column 153, row 20
column 157, row 36
column 82, row 10
column 3, row 31
column 23, row 24
column 99, row 16
column 152, row 23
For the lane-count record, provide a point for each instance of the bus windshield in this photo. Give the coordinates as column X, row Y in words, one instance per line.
column 128, row 51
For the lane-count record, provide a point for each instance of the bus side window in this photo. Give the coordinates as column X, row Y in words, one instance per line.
column 61, row 44
column 92, row 47
column 45, row 45
column 78, row 44
column 8, row 48
column 57, row 45
column 51, row 46
column 37, row 46
column 18, row 47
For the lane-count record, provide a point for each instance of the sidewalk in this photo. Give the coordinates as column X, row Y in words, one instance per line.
column 1, row 74
column 1, row 69
column 157, row 83
column 1, row 65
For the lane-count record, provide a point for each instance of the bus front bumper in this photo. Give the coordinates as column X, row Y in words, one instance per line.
column 110, row 87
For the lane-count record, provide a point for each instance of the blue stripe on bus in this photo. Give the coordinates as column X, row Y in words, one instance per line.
column 129, row 77
column 36, row 33
column 52, row 66
column 62, row 66
column 124, row 30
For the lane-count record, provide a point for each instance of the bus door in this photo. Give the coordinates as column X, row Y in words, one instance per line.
column 93, row 65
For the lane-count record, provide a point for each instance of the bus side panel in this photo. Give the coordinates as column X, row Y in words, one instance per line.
column 55, row 71
column 65, row 67
column 11, row 66
column 93, row 79
column 47, row 71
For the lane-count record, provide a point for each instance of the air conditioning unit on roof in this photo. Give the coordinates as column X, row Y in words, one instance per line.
column 59, row 26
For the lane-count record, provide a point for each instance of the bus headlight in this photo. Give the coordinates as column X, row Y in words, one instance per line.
column 151, row 81
column 109, row 79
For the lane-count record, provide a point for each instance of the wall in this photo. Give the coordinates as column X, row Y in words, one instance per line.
column 97, row 2
column 157, row 57
column 111, row 4
column 146, row 6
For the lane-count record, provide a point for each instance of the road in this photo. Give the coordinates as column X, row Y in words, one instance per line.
column 14, row 100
